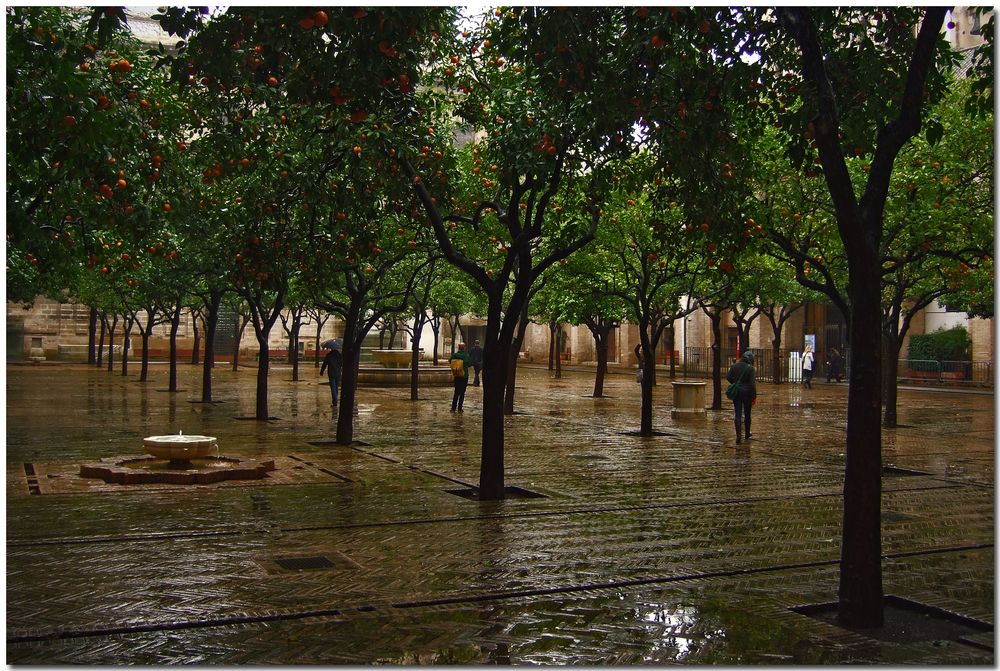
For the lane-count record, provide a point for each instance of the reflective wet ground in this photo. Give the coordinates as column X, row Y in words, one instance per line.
column 677, row 548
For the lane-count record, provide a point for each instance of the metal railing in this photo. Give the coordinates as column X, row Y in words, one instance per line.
column 932, row 372
column 911, row 371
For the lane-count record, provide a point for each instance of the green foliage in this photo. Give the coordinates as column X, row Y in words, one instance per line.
column 94, row 146
column 952, row 344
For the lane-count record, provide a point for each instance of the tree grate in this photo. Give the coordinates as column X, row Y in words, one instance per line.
column 907, row 621
column 472, row 493
column 304, row 563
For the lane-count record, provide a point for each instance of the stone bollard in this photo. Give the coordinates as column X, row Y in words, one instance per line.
column 689, row 399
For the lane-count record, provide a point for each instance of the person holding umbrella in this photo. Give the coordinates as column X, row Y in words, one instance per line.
column 476, row 354
column 332, row 365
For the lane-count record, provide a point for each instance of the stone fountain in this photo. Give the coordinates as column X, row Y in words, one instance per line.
column 177, row 460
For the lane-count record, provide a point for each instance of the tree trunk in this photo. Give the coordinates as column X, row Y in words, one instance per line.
column 456, row 331
column 418, row 327
column 496, row 358
column 552, row 345
column 175, row 324
column 515, row 350
column 320, row 323
column 716, row 361
column 211, row 323
column 860, row 592
column 601, row 347
column 99, row 361
column 351, row 361
column 263, row 363
column 646, row 413
column 237, row 338
column 436, row 330
column 776, row 360
column 890, row 371
column 348, row 392
column 111, row 344
column 127, row 325
column 91, row 336
column 293, row 341
column 196, row 348
column 146, row 333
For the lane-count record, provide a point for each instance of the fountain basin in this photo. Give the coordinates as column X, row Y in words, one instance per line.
column 180, row 447
column 200, row 471
column 393, row 358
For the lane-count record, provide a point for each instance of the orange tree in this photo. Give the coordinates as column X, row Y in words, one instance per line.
column 90, row 129
column 554, row 94
column 582, row 291
column 660, row 256
column 363, row 266
column 937, row 229
column 864, row 78
column 310, row 94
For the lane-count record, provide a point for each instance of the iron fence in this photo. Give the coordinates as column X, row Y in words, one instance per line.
column 932, row 372
column 911, row 371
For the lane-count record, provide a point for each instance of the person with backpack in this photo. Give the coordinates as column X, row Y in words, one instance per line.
column 460, row 363
column 742, row 391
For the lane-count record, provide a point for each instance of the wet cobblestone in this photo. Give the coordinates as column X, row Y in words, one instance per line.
column 677, row 548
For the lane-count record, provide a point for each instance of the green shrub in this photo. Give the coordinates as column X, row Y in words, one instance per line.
column 952, row 344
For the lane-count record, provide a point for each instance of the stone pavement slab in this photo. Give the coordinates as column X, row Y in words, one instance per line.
column 676, row 548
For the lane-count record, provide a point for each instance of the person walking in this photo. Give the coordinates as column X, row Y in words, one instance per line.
column 460, row 363
column 332, row 365
column 808, row 361
column 476, row 354
column 742, row 374
column 835, row 366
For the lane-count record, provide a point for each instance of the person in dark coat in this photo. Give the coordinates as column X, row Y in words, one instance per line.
column 742, row 372
column 332, row 364
column 476, row 354
column 835, row 366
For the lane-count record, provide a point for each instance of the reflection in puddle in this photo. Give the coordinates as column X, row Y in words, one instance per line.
column 669, row 626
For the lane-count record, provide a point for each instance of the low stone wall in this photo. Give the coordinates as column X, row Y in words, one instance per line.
column 376, row 376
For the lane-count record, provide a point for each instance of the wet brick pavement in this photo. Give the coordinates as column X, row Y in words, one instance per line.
column 677, row 548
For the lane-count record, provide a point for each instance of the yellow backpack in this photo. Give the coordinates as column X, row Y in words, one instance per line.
column 457, row 367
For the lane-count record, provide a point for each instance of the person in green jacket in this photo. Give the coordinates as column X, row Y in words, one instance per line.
column 460, row 363
column 742, row 372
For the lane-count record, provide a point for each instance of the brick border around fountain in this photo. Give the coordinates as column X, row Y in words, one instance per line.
column 123, row 471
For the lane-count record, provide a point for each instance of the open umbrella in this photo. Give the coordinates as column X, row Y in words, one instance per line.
column 332, row 344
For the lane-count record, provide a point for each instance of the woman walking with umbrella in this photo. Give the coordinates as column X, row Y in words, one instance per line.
column 332, row 364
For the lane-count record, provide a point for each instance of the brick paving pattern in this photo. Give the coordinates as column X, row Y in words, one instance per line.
column 678, row 548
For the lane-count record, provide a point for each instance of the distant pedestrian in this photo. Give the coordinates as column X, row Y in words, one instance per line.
column 808, row 361
column 641, row 360
column 476, row 354
column 742, row 373
column 835, row 366
column 332, row 365
column 460, row 364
